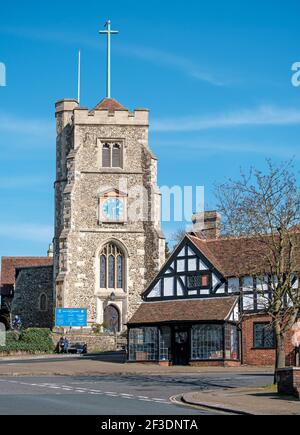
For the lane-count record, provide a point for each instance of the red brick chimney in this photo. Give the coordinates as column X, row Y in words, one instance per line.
column 207, row 224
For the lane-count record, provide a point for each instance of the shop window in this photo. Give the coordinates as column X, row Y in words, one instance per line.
column 231, row 342
column 165, row 343
column 207, row 342
column 143, row 344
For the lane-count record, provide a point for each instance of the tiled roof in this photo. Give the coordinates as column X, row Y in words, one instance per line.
column 109, row 104
column 216, row 309
column 201, row 244
column 10, row 264
column 242, row 256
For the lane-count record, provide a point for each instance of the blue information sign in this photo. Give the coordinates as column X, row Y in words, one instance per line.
column 67, row 317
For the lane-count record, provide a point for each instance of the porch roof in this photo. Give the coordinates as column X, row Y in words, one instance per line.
column 194, row 310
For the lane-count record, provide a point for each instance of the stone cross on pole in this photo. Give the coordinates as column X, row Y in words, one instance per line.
column 108, row 32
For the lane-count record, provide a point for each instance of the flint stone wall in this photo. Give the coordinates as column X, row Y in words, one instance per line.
column 79, row 236
column 31, row 283
column 95, row 342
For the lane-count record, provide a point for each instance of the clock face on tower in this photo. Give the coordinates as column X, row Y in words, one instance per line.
column 113, row 209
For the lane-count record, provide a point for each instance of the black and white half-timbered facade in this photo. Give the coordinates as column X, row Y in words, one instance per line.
column 197, row 309
column 187, row 315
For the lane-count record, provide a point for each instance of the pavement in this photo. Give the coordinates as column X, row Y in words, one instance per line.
column 103, row 364
column 249, row 401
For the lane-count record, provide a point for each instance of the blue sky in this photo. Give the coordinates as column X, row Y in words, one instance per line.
column 216, row 76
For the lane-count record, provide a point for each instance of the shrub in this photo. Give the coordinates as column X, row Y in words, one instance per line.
column 12, row 337
column 32, row 340
column 97, row 328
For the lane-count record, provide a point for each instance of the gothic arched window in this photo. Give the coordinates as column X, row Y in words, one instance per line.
column 111, row 267
column 43, row 302
column 103, row 263
column 111, row 271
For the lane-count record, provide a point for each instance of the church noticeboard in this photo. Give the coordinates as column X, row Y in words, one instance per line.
column 70, row 317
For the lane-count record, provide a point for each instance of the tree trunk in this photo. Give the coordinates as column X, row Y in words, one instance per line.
column 280, row 355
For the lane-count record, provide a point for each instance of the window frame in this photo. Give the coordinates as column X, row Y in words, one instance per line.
column 203, row 328
column 40, row 303
column 255, row 347
column 200, row 274
column 139, row 348
column 111, row 144
column 105, row 146
column 109, row 250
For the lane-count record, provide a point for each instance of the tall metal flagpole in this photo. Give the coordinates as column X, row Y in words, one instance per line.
column 79, row 76
column 108, row 32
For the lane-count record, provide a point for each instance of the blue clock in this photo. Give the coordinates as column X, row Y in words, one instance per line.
column 113, row 209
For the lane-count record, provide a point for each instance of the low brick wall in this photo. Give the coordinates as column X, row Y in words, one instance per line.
column 95, row 342
column 252, row 356
column 289, row 381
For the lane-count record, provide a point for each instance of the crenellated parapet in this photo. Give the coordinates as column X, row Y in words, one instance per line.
column 83, row 116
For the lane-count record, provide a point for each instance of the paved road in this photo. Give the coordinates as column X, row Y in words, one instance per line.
column 112, row 395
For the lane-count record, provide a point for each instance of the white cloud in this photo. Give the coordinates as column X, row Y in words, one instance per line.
column 27, row 232
column 180, row 63
column 263, row 115
column 208, row 147
column 19, row 182
column 33, row 127
column 155, row 56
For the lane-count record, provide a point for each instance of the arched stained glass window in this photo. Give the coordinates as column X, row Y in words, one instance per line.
column 103, row 271
column 120, row 272
column 111, row 272
column 112, row 263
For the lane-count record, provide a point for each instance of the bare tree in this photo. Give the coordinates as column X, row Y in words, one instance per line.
column 266, row 206
column 178, row 235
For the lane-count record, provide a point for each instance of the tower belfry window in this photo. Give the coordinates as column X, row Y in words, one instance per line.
column 116, row 156
column 106, row 156
column 112, row 155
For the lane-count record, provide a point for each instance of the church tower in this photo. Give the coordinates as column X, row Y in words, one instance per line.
column 108, row 242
